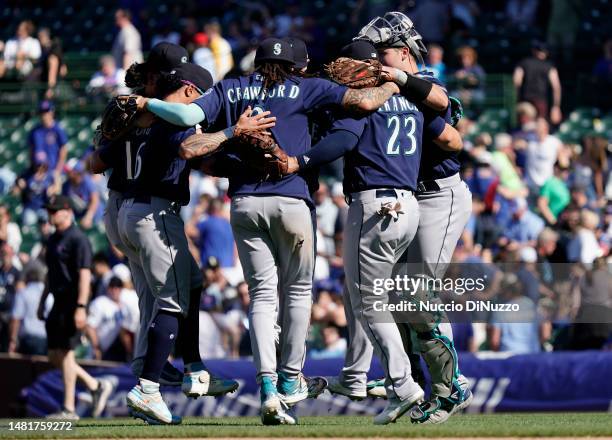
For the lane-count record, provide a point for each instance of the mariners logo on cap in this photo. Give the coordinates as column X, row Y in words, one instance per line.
column 184, row 60
column 277, row 49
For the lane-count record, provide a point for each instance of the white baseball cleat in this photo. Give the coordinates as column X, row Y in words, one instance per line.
column 334, row 386
column 272, row 411
column 203, row 383
column 150, row 407
column 396, row 408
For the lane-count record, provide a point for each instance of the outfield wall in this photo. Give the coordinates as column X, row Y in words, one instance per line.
column 568, row 381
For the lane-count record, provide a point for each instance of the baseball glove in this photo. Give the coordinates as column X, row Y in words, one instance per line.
column 354, row 73
column 118, row 116
column 259, row 151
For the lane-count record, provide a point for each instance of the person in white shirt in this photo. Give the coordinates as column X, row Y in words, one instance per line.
column 127, row 48
column 584, row 247
column 109, row 80
column 22, row 52
column 203, row 56
column 542, row 154
column 110, row 323
column 27, row 332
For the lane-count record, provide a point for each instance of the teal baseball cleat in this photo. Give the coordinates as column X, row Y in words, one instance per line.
column 150, row 407
column 272, row 411
column 293, row 391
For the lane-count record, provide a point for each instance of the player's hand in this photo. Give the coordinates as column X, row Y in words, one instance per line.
column 389, row 74
column 292, row 165
column 80, row 318
column 259, row 122
column 141, row 103
column 86, row 222
column 391, row 86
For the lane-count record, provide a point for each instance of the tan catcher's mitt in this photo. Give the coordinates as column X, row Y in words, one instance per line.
column 354, row 73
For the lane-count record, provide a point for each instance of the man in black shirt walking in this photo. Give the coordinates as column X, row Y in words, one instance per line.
column 68, row 261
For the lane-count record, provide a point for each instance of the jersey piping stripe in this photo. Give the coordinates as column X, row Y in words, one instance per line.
column 382, row 351
column 450, row 215
column 163, row 217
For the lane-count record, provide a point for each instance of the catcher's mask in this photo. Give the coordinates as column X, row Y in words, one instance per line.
column 394, row 29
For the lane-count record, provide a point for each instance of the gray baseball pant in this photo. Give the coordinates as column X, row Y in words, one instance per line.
column 145, row 298
column 373, row 244
column 275, row 241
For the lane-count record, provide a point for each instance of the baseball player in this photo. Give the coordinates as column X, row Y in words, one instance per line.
column 163, row 57
column 157, row 177
column 382, row 154
column 433, row 245
column 271, row 220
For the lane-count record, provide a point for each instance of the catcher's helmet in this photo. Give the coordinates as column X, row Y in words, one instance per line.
column 394, row 29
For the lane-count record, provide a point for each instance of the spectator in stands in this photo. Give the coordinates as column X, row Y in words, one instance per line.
column 108, row 327
column 584, row 246
column 592, row 166
column 203, row 56
column 554, row 194
column 127, row 47
column 529, row 276
column 333, row 345
column 9, row 284
column 431, row 18
column 9, row 231
column 221, row 49
column 469, row 78
column 328, row 307
column 28, row 334
column 102, row 274
column 518, row 331
column 546, row 248
column 82, row 193
column 503, row 162
column 165, row 34
column 534, row 77
column 49, row 137
column 542, row 154
column 521, row 12
column 525, row 226
column 435, row 61
column 603, row 67
column 21, row 53
column 51, row 67
column 215, row 283
column 214, row 236
column 35, row 186
column 107, row 82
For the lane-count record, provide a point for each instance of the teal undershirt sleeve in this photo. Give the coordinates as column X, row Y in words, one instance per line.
column 186, row 115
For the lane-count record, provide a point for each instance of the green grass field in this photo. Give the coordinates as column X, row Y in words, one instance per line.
column 474, row 425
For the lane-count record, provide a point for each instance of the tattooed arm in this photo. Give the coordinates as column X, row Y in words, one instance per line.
column 205, row 144
column 366, row 100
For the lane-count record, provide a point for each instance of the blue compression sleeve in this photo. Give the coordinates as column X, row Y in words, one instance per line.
column 328, row 149
column 185, row 115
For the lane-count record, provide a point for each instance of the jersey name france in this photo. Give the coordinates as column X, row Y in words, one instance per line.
column 290, row 102
column 388, row 152
column 435, row 162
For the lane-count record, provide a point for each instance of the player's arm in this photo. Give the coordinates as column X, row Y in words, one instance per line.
column 449, row 139
column 328, row 149
column 205, row 144
column 418, row 90
column 367, row 100
column 94, row 163
column 555, row 84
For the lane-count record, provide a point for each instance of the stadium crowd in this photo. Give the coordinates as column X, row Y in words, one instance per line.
column 541, row 225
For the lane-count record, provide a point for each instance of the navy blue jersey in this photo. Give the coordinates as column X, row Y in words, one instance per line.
column 290, row 103
column 159, row 171
column 435, row 162
column 120, row 156
column 388, row 153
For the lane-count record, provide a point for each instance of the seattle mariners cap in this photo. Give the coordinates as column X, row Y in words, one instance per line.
column 300, row 52
column 274, row 49
column 164, row 57
column 195, row 75
column 58, row 202
column 359, row 50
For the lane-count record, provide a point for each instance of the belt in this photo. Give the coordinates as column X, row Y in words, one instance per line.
column 438, row 184
column 376, row 194
column 146, row 200
column 143, row 199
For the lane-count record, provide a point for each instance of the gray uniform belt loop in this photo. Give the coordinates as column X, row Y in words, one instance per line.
column 438, row 184
column 373, row 194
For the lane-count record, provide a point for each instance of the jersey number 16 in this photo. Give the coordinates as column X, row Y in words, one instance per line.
column 132, row 172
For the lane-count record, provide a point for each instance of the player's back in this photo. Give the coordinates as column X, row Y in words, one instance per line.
column 290, row 102
column 389, row 149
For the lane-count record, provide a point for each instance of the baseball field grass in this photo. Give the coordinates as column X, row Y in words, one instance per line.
column 566, row 425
